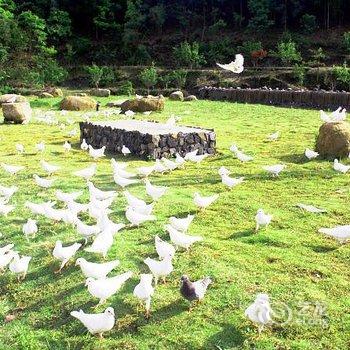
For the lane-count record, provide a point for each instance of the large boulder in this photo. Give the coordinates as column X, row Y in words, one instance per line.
column 333, row 140
column 176, row 96
column 143, row 104
column 17, row 112
column 78, row 103
column 100, row 92
column 8, row 98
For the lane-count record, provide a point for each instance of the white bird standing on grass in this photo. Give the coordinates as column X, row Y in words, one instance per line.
column 6, row 258
column 339, row 167
column 260, row 311
column 67, row 146
column 125, row 150
column 163, row 248
column 104, row 288
column 144, row 291
column 42, row 182
column 6, row 209
column 96, row 270
column 181, row 224
column 12, row 169
column 122, row 181
column 30, row 228
column 8, row 192
column 97, row 153
column 40, row 147
column 96, row 323
column 204, row 202
column 49, row 168
column 5, row 249
column 274, row 136
column 86, row 173
column 145, row 170
column 19, row 265
column 180, row 239
column 274, row 170
column 99, row 194
column 310, row 208
column 19, row 148
column 67, row 197
column 236, row 66
column 136, row 218
column 231, row 181
column 160, row 269
column 102, row 243
column 155, row 192
column 84, row 146
column 262, row 219
column 64, row 254
column 310, row 154
column 340, row 233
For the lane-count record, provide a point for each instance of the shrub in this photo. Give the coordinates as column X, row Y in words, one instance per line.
column 108, row 76
column 342, row 75
column 179, row 77
column 188, row 55
column 346, row 39
column 149, row 77
column 288, row 53
column 249, row 46
column 299, row 72
column 217, row 27
column 308, row 23
column 126, row 88
column 50, row 72
column 166, row 80
column 219, row 50
column 95, row 74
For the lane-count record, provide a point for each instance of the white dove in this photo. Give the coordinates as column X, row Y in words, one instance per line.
column 189, row 155
column 310, row 208
column 49, row 168
column 274, row 170
column 181, row 239
column 181, row 224
column 67, row 146
column 96, row 270
column 262, row 219
column 274, row 136
column 64, row 254
column 230, row 181
column 6, row 258
column 86, row 173
column 87, row 230
column 68, row 197
column 145, row 170
column 99, row 194
column 30, row 228
column 236, row 66
column 96, row 323
column 179, row 160
column 76, row 207
column 144, row 291
column 136, row 218
column 84, row 146
column 38, row 209
column 104, row 288
column 8, row 192
column 97, row 153
column 243, row 157
column 125, row 150
column 12, row 169
column 340, row 233
column 102, row 243
column 72, row 133
column 129, row 113
column 163, row 248
column 204, row 202
column 118, row 165
column 133, row 201
column 19, row 265
column 19, row 148
column 260, row 311
column 159, row 269
column 104, row 223
column 310, row 154
column 40, row 147
column 223, row 171
column 121, row 172
column 170, row 165
column 42, row 182
column 342, row 168
column 155, row 191
column 5, row 249
column 6, row 209
column 159, row 167
column 122, row 181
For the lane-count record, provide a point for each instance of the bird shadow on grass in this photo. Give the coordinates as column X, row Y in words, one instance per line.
column 228, row 338
column 241, row 234
column 265, row 241
column 293, row 158
column 321, row 249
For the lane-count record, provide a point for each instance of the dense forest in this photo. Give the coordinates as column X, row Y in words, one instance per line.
column 41, row 38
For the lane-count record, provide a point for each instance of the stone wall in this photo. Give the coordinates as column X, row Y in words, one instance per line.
column 287, row 98
column 147, row 145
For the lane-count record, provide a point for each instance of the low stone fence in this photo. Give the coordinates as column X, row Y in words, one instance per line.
column 287, row 98
column 143, row 138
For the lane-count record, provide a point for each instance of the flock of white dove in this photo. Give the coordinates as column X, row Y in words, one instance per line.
column 101, row 234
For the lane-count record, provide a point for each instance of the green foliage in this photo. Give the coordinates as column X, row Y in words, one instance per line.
column 249, row 46
column 299, row 72
column 138, row 55
column 157, row 16
column 126, row 88
column 108, row 76
column 308, row 23
column 288, row 53
column 217, row 27
column 346, row 41
column 149, row 77
column 95, row 74
column 218, row 50
column 59, row 25
column 166, row 80
column 342, row 75
column 188, row 55
column 179, row 77
column 260, row 10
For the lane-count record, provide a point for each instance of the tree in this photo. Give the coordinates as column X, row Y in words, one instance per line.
column 260, row 11
column 149, row 77
column 95, row 74
column 59, row 25
column 188, row 55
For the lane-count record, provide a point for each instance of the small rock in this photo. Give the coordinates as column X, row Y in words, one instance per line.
column 190, row 98
column 100, row 92
column 45, row 94
column 78, row 103
column 176, row 96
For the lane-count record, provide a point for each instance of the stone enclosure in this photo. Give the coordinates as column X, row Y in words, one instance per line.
column 148, row 139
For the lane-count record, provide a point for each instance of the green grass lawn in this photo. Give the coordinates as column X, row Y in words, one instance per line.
column 289, row 260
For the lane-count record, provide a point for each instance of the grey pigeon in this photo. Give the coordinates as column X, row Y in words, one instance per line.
column 193, row 291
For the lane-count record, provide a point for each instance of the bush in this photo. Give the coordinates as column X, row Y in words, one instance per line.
column 95, row 74
column 308, row 23
column 342, row 75
column 166, row 80
column 188, row 55
column 219, row 50
column 299, row 72
column 346, row 39
column 179, row 77
column 249, row 46
column 288, row 53
column 126, row 88
column 50, row 72
column 149, row 77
